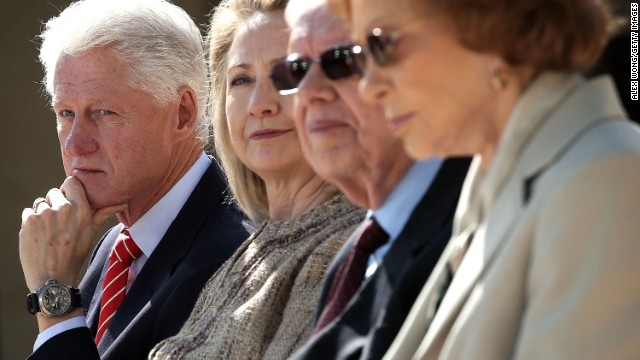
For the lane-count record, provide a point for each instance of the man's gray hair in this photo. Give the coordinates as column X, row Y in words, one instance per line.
column 158, row 40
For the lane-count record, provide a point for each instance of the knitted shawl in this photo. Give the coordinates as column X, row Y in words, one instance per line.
column 260, row 304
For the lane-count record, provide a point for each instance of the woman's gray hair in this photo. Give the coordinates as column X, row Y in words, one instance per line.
column 159, row 42
column 247, row 187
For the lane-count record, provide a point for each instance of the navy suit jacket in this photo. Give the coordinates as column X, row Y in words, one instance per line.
column 373, row 317
column 206, row 232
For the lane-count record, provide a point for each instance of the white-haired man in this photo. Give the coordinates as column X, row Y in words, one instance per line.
column 127, row 81
column 371, row 284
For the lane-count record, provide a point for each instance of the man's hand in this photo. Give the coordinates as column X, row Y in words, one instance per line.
column 58, row 234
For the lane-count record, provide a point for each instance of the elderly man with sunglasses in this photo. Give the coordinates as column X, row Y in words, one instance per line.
column 376, row 277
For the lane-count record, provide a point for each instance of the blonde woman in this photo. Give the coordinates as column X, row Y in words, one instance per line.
column 261, row 303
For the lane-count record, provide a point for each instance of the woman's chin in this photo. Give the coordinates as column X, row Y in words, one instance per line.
column 418, row 148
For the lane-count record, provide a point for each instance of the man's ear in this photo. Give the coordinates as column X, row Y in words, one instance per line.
column 187, row 110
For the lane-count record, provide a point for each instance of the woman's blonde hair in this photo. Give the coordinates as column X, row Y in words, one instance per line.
column 247, row 187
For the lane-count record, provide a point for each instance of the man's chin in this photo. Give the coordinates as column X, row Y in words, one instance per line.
column 99, row 201
column 336, row 171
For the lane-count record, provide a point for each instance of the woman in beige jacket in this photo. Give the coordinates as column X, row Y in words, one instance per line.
column 543, row 263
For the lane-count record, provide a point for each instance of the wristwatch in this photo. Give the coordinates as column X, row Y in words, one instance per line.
column 54, row 298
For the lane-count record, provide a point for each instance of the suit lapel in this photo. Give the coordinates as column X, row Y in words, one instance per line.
column 171, row 249
column 429, row 219
column 481, row 250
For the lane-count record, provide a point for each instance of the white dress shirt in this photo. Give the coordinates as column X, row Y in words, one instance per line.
column 396, row 209
column 147, row 233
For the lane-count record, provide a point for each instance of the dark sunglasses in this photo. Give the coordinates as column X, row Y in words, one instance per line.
column 380, row 46
column 336, row 63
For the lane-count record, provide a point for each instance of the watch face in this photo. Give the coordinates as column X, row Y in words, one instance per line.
column 55, row 300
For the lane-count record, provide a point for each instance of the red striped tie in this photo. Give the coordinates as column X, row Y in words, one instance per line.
column 122, row 255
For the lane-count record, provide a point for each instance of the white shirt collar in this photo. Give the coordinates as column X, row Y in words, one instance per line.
column 151, row 227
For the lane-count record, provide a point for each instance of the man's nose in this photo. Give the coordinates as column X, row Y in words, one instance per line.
column 80, row 138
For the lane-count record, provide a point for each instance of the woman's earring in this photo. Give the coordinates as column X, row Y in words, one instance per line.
column 498, row 80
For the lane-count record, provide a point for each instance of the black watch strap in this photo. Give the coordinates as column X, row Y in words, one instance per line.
column 33, row 307
column 76, row 300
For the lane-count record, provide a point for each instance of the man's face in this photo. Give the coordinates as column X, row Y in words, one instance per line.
column 114, row 138
column 342, row 136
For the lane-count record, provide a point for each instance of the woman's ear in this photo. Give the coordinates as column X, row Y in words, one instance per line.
column 503, row 75
column 498, row 74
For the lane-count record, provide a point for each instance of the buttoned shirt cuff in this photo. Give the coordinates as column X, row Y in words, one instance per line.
column 74, row 322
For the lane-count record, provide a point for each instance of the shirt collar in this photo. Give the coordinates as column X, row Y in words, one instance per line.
column 151, row 227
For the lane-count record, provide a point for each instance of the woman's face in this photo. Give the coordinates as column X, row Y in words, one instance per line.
column 437, row 95
column 259, row 119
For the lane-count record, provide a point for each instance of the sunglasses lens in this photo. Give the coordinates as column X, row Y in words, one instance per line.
column 337, row 63
column 357, row 60
column 379, row 47
column 287, row 74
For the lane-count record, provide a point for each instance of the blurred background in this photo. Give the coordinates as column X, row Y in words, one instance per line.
column 29, row 152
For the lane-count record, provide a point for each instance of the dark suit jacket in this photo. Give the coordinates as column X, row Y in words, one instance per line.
column 374, row 316
column 204, row 234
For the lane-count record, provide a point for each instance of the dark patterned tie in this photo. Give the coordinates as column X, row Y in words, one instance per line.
column 350, row 274
column 122, row 255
